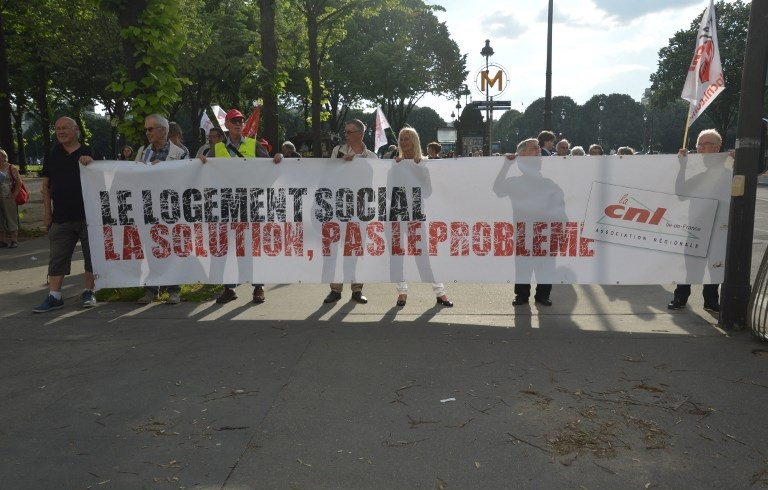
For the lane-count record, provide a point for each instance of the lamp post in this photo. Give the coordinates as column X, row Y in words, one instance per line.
column 548, row 125
column 487, row 51
column 600, row 123
column 562, row 116
column 466, row 93
column 458, row 147
column 645, row 129
column 650, row 135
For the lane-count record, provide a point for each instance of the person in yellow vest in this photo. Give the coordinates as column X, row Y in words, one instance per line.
column 238, row 146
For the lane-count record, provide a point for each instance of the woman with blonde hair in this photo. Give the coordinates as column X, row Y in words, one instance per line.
column 409, row 148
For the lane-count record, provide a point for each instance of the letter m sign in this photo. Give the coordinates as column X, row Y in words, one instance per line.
column 486, row 81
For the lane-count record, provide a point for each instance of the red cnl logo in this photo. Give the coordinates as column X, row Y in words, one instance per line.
column 639, row 215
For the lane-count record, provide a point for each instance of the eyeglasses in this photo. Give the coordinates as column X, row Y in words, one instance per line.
column 705, row 143
column 348, row 131
column 64, row 128
column 237, row 121
column 149, row 130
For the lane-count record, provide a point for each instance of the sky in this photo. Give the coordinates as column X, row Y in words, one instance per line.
column 598, row 46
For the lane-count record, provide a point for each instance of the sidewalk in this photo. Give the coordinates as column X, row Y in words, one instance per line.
column 605, row 389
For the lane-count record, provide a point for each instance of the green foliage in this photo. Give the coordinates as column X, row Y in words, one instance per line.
column 151, row 85
column 674, row 60
column 426, row 121
column 408, row 54
column 194, row 293
column 506, row 130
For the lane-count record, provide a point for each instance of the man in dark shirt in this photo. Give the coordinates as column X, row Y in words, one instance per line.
column 64, row 213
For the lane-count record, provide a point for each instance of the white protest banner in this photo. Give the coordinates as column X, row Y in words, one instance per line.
column 486, row 219
column 649, row 219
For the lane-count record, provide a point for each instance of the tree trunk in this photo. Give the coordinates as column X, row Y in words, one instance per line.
column 6, row 136
column 314, row 69
column 18, row 116
column 269, row 115
column 128, row 16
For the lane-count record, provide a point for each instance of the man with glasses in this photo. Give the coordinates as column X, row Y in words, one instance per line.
column 354, row 131
column 64, row 213
column 238, row 145
column 709, row 141
column 159, row 149
column 563, row 147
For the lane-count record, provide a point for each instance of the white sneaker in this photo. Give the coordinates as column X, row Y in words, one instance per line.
column 147, row 298
column 173, row 299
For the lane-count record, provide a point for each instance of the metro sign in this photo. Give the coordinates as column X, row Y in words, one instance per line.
column 492, row 81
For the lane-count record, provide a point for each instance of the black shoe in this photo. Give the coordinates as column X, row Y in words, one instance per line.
column 332, row 297
column 543, row 301
column 519, row 300
column 677, row 304
column 258, row 295
column 357, row 296
column 445, row 302
column 713, row 307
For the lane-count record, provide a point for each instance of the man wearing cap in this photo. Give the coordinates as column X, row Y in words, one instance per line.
column 237, row 145
column 354, row 131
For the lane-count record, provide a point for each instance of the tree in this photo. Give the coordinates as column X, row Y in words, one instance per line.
column 6, row 136
column 507, row 130
column 324, row 20
column 220, row 59
column 403, row 53
column 425, row 121
column 152, row 40
column 269, row 79
column 674, row 60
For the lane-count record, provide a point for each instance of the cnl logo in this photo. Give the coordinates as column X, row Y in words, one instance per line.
column 625, row 212
column 492, row 80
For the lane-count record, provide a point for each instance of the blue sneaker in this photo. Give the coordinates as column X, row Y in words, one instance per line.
column 88, row 299
column 50, row 303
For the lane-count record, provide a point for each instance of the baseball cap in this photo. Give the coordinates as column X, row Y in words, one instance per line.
column 233, row 114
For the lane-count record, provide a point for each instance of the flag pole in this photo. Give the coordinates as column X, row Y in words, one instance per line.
column 687, row 125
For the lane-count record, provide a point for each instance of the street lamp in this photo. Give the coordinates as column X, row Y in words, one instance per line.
column 645, row 129
column 465, row 92
column 458, row 149
column 600, row 123
column 562, row 116
column 650, row 135
column 487, row 52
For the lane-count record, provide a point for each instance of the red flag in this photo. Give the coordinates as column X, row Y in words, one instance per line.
column 251, row 127
column 705, row 78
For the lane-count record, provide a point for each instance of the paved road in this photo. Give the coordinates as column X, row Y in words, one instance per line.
column 606, row 389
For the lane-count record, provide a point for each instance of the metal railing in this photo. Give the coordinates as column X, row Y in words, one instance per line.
column 757, row 313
